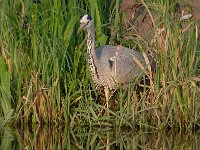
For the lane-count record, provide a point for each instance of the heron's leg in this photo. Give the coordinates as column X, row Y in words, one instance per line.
column 106, row 90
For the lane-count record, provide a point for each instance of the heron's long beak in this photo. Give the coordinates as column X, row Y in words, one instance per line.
column 82, row 25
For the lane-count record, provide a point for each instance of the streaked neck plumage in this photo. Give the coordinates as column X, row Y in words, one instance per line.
column 91, row 54
column 91, row 41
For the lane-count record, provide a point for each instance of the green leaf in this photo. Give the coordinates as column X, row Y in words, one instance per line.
column 6, row 118
column 102, row 40
column 2, row 65
column 95, row 8
column 5, row 81
column 69, row 29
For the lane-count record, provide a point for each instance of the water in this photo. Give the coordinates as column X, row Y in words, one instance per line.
column 46, row 138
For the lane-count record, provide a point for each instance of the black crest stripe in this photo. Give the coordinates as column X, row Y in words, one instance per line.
column 89, row 17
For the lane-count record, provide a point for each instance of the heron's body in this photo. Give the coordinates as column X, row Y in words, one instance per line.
column 110, row 66
column 115, row 66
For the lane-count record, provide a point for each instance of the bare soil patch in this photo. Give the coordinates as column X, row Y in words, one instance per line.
column 138, row 22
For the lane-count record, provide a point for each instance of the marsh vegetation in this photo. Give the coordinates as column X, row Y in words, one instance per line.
column 44, row 75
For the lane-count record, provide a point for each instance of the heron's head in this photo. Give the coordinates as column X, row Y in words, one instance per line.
column 86, row 22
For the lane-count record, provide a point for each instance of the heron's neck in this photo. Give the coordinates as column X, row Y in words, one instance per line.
column 91, row 41
column 91, row 54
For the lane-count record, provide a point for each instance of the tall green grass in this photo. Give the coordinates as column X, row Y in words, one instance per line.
column 47, row 77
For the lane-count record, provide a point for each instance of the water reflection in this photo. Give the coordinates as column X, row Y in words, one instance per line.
column 54, row 138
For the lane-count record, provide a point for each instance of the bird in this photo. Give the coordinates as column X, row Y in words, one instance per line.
column 110, row 66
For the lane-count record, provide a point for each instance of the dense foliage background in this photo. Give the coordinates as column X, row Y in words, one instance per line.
column 44, row 75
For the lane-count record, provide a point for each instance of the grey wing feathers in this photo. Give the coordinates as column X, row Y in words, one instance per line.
column 117, row 63
column 126, row 67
